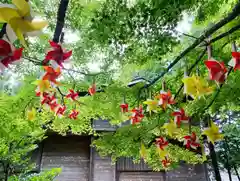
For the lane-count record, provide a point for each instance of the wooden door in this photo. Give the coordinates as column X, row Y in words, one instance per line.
column 141, row 176
column 69, row 153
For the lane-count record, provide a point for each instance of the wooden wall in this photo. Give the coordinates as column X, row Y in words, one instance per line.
column 128, row 171
column 102, row 168
column 141, row 176
column 79, row 162
column 71, row 153
column 187, row 173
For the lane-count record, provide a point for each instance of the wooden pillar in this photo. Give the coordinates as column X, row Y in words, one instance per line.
column 101, row 168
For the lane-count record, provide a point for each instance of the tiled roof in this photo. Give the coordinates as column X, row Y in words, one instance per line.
column 104, row 125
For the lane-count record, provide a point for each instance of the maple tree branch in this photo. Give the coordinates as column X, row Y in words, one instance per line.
column 83, row 73
column 34, row 61
column 40, row 63
column 60, row 19
column 231, row 16
column 232, row 30
column 62, row 95
column 74, row 81
column 190, row 36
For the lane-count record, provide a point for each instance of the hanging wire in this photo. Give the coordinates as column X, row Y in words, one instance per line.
column 163, row 85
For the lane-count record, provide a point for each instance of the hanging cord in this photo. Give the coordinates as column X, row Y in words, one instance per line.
column 163, row 85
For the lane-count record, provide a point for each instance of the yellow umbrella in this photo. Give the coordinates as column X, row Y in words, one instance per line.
column 213, row 133
column 170, row 128
column 195, row 86
column 43, row 85
column 18, row 16
column 152, row 105
column 31, row 114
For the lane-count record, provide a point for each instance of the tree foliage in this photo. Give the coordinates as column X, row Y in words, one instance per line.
column 122, row 38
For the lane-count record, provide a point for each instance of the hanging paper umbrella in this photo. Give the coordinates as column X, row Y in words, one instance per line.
column 137, row 115
column 60, row 111
column 166, row 162
column 235, row 62
column 152, row 105
column 124, row 108
column 165, row 99
column 143, row 151
column 73, row 114
column 49, row 101
column 161, row 142
column 92, row 89
column 191, row 141
column 196, row 87
column 47, row 98
column 213, row 133
column 18, row 16
column 53, row 105
column 72, row 95
column 162, row 153
column 8, row 54
column 180, row 117
column 31, row 114
column 57, row 54
column 42, row 86
column 51, row 74
column 171, row 128
column 217, row 70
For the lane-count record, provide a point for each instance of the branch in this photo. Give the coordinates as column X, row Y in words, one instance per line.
column 83, row 73
column 60, row 19
column 231, row 16
column 34, row 61
column 179, row 90
column 191, row 36
column 232, row 30
column 62, row 95
column 74, row 81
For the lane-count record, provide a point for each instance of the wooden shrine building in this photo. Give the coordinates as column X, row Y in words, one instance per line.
column 80, row 162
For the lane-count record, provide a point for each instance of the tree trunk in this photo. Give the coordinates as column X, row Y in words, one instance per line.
column 214, row 162
column 6, row 172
